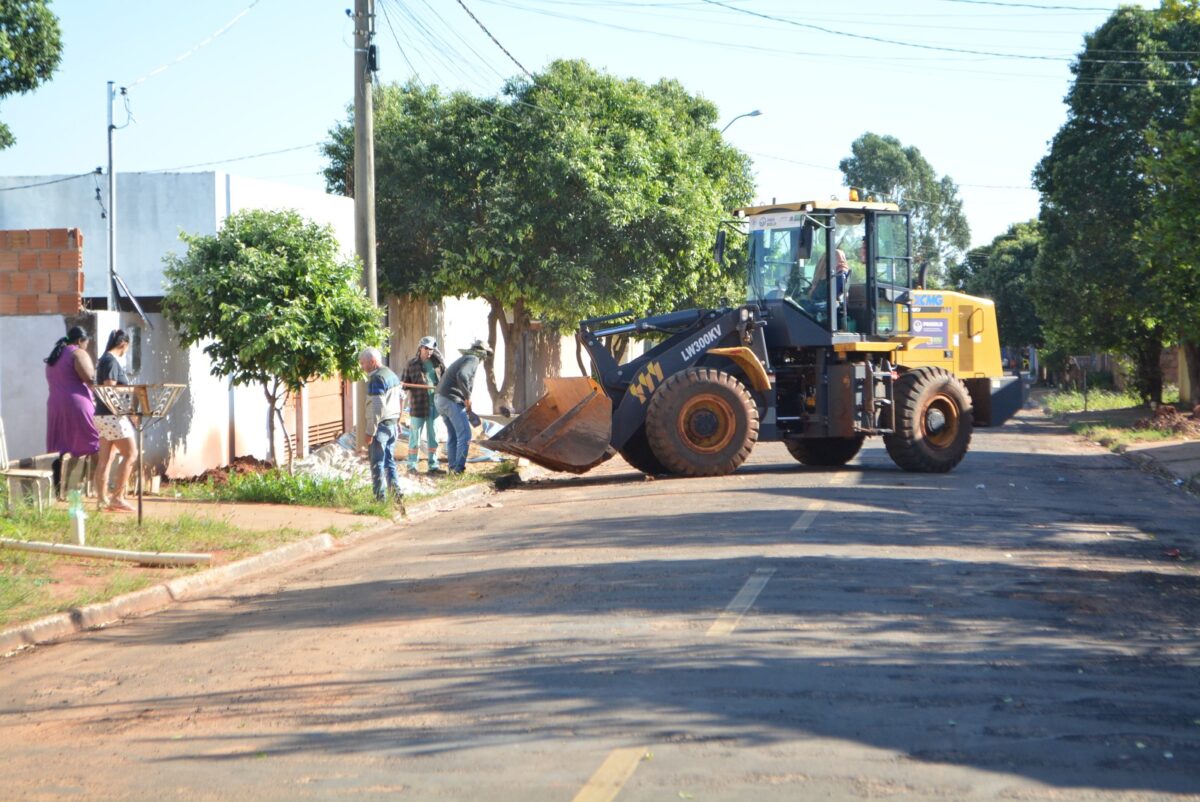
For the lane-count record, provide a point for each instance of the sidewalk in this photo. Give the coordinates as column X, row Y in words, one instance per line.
column 256, row 517
column 1177, row 460
column 323, row 530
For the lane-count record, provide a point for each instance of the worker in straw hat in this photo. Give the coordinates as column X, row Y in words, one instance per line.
column 453, row 402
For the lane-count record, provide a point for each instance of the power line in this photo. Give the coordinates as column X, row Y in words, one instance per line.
column 883, row 40
column 1030, row 5
column 236, row 158
column 53, row 181
column 192, row 51
column 494, row 39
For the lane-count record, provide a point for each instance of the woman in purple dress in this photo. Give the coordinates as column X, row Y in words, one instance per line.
column 70, row 411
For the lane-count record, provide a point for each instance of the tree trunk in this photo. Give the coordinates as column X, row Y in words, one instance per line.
column 270, row 423
column 583, row 371
column 1147, row 371
column 1190, row 353
column 502, row 392
column 287, row 438
column 274, row 410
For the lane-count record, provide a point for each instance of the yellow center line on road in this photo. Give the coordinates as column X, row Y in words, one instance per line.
column 728, row 620
column 612, row 775
column 808, row 516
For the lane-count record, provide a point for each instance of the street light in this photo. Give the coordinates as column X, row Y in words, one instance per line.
column 754, row 113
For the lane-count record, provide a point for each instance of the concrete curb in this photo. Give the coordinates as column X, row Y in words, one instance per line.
column 205, row 583
column 1148, row 463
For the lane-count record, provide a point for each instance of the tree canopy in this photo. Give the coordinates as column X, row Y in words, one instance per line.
column 274, row 299
column 573, row 193
column 1170, row 233
column 1002, row 271
column 30, row 50
column 1095, row 286
column 883, row 166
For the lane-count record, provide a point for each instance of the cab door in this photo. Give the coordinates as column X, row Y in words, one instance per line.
column 889, row 256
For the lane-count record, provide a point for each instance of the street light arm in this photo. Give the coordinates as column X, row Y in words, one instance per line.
column 754, row 113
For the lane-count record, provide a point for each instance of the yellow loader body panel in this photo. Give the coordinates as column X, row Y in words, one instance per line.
column 959, row 332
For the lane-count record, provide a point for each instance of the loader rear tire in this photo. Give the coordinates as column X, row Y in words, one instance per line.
column 702, row 422
column 638, row 454
column 825, row 452
column 933, row 421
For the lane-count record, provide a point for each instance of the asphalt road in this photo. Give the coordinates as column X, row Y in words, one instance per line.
column 1013, row 630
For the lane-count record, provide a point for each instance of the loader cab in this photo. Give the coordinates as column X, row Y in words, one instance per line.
column 834, row 267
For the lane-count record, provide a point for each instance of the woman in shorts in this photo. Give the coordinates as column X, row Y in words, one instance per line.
column 116, row 431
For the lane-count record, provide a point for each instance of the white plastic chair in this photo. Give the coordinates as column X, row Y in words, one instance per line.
column 42, row 480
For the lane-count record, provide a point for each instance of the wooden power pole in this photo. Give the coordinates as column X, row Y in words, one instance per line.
column 364, row 172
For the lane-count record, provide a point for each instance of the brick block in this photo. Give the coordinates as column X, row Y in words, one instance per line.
column 27, row 304
column 75, row 236
column 58, row 239
column 18, row 240
column 8, row 304
column 68, row 304
column 47, row 304
column 8, row 261
column 39, row 282
column 63, row 280
column 18, row 283
column 70, row 258
column 27, row 260
column 4, row 246
column 39, row 239
column 79, row 276
column 48, row 260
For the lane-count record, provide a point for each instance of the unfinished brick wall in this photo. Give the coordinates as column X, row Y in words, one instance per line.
column 41, row 271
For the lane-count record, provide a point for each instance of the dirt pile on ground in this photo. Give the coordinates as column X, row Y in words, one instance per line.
column 1167, row 418
column 240, row 465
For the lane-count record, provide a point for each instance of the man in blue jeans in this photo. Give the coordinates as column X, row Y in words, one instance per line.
column 453, row 401
column 384, row 402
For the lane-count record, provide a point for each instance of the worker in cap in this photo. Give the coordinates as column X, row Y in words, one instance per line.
column 421, row 377
column 453, row 402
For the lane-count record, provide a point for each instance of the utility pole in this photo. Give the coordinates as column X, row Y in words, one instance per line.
column 112, row 204
column 364, row 171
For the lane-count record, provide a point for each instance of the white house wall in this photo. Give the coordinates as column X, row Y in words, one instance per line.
column 213, row 421
column 24, row 342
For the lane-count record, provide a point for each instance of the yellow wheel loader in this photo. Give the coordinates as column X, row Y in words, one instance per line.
column 833, row 345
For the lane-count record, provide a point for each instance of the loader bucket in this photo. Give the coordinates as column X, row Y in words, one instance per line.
column 568, row 429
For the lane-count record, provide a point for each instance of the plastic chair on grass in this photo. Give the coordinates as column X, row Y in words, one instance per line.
column 42, row 480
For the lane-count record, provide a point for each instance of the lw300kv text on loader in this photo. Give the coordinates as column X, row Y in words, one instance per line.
column 810, row 359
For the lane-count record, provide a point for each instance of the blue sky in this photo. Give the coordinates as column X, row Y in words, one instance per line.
column 977, row 86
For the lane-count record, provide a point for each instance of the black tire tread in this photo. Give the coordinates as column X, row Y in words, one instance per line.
column 903, row 446
column 825, row 452
column 659, row 426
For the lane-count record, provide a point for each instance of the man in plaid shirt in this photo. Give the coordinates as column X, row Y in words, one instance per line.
column 421, row 376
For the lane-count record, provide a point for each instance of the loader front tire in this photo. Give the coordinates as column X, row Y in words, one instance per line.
column 933, row 421
column 702, row 422
column 638, row 454
column 825, row 452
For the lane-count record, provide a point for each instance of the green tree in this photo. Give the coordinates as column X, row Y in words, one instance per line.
column 276, row 299
column 573, row 193
column 30, row 50
column 883, row 166
column 1170, row 233
column 1095, row 287
column 1003, row 271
